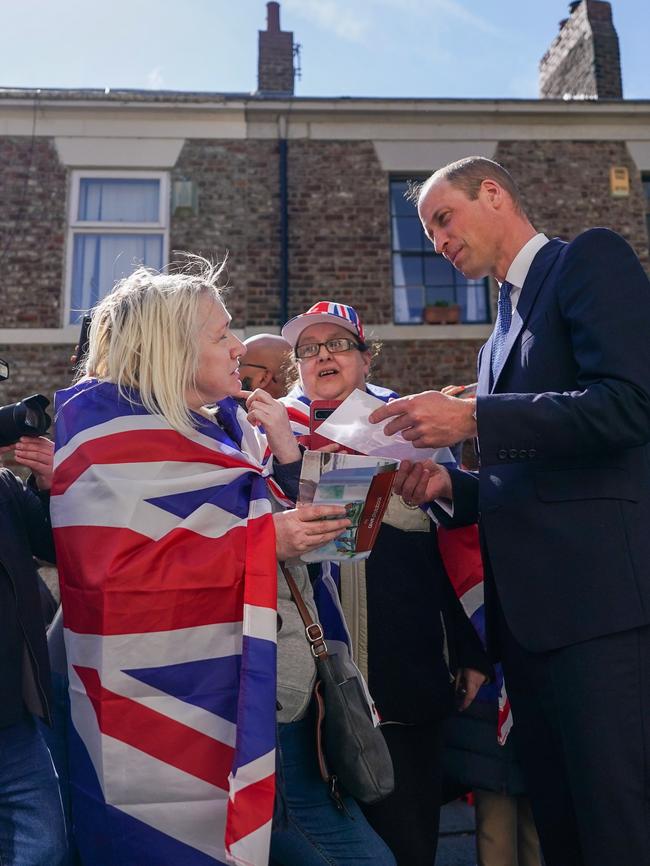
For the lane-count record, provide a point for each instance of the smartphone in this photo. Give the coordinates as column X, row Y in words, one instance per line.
column 82, row 351
column 318, row 412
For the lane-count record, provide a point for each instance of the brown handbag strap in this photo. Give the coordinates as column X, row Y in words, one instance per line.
column 313, row 631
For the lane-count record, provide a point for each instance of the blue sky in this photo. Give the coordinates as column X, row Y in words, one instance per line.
column 421, row 48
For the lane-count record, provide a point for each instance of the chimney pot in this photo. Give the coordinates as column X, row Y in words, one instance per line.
column 273, row 17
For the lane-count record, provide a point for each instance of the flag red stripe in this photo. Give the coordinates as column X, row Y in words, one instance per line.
column 250, row 809
column 117, row 581
column 142, row 446
column 157, row 735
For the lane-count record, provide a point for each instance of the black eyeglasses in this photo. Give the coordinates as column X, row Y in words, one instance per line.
column 334, row 347
column 259, row 367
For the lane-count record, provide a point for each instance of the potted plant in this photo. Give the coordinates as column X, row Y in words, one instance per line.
column 441, row 313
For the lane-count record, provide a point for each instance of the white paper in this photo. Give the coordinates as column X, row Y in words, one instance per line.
column 348, row 425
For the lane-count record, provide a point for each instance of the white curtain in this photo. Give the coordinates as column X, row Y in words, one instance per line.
column 100, row 260
column 109, row 199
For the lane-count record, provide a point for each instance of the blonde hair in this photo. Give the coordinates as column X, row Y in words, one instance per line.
column 144, row 336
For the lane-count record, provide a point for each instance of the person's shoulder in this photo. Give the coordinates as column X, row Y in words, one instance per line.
column 10, row 483
column 597, row 240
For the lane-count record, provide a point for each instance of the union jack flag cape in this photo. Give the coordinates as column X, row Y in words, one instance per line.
column 166, row 551
column 460, row 551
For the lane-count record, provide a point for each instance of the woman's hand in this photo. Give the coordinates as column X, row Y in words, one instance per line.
column 37, row 454
column 418, row 483
column 468, row 682
column 272, row 415
column 305, row 528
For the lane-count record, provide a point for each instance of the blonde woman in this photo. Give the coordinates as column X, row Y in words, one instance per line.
column 169, row 524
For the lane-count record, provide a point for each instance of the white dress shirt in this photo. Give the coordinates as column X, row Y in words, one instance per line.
column 518, row 270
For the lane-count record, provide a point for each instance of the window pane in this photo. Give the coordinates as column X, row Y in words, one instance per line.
column 99, row 260
column 440, row 293
column 399, row 205
column 107, row 199
column 407, row 270
column 407, row 234
column 473, row 300
column 438, row 271
column 408, row 304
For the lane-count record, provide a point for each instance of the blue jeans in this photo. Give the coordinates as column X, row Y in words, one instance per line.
column 318, row 833
column 32, row 831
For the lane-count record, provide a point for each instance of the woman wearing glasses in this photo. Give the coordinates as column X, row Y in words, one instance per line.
column 410, row 636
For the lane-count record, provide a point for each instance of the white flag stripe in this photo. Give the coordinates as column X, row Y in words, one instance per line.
column 114, row 653
column 473, row 599
column 252, row 848
column 254, row 444
column 260, row 768
column 260, row 622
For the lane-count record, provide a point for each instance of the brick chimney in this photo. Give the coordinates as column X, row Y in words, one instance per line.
column 583, row 61
column 275, row 73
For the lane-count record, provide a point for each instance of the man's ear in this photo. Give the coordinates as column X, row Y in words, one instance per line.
column 492, row 192
column 267, row 375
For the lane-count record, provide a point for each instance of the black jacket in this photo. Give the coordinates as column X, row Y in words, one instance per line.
column 25, row 531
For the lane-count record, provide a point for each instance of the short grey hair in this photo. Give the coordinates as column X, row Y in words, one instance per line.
column 467, row 175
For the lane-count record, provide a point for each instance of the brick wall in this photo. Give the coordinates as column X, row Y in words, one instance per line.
column 238, row 213
column 339, row 227
column 32, row 232
column 565, row 188
column 411, row 366
column 339, row 237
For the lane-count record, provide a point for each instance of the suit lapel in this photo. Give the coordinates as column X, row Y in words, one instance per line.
column 539, row 268
column 483, row 386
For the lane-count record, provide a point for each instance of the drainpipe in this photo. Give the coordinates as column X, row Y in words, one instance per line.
column 284, row 221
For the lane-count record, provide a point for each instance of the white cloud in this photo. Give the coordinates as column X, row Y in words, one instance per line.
column 155, row 79
column 439, row 12
column 347, row 20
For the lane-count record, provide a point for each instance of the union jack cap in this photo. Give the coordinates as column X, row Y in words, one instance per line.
column 324, row 311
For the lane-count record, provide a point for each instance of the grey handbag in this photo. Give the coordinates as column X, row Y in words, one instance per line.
column 351, row 751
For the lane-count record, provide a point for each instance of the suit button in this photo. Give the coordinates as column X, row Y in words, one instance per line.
column 523, row 454
column 532, row 452
column 502, row 454
column 514, row 454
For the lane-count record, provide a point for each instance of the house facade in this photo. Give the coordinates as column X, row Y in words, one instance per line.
column 304, row 195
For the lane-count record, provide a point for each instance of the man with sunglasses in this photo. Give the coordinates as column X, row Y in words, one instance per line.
column 265, row 364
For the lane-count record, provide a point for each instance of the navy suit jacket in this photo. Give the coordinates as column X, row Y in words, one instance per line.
column 563, row 488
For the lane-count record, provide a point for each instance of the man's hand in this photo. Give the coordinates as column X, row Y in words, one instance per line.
column 37, row 454
column 272, row 415
column 305, row 528
column 468, row 682
column 418, row 483
column 429, row 420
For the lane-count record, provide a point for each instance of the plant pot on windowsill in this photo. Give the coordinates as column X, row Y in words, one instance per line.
column 441, row 313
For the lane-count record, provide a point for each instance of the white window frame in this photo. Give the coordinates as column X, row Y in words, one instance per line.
column 77, row 226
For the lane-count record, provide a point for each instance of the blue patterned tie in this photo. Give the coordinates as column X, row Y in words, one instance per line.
column 502, row 326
